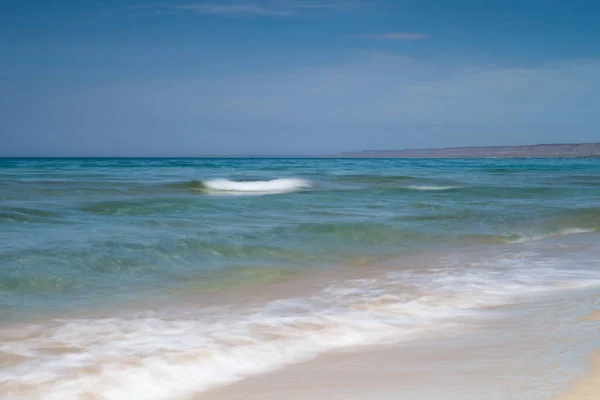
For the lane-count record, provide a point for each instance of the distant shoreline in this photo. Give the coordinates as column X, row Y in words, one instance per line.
column 563, row 150
column 582, row 150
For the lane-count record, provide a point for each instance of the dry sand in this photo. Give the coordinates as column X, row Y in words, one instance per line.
column 525, row 352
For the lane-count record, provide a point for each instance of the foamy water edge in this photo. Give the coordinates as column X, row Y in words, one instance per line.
column 165, row 355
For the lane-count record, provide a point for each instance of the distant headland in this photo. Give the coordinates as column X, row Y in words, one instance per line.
column 580, row 150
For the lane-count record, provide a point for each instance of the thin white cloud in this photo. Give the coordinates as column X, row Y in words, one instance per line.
column 267, row 8
column 395, row 36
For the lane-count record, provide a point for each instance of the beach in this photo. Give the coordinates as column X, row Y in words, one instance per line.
column 542, row 348
column 497, row 366
column 299, row 279
column 300, row 200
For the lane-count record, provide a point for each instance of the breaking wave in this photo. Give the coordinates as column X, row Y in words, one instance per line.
column 284, row 185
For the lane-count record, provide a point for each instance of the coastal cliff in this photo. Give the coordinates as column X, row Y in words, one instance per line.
column 583, row 150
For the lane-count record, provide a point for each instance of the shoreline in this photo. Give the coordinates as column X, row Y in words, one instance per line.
column 394, row 327
column 532, row 351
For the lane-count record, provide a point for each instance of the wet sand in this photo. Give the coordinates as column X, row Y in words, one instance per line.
column 526, row 351
column 588, row 387
column 593, row 316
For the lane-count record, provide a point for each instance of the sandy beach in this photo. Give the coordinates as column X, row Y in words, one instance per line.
column 527, row 351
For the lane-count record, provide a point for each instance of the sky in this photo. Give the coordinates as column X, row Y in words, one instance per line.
column 233, row 77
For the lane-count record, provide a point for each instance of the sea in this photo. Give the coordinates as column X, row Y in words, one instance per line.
column 165, row 278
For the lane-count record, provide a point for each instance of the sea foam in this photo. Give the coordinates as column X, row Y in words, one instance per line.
column 283, row 185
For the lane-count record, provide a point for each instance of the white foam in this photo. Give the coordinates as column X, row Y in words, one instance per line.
column 284, row 185
column 171, row 356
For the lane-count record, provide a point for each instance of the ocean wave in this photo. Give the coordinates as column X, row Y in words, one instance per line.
column 20, row 214
column 275, row 186
column 433, row 187
column 517, row 238
column 144, row 206
column 377, row 179
column 514, row 238
column 398, row 182
column 578, row 179
column 501, row 170
column 358, row 232
column 166, row 355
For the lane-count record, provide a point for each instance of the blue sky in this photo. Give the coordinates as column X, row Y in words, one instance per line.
column 143, row 78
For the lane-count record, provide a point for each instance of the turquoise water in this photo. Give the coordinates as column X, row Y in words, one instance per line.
column 78, row 235
column 76, row 231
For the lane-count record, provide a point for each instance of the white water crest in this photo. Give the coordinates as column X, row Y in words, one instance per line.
column 283, row 185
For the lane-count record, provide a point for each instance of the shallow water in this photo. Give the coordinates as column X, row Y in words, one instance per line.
column 96, row 253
